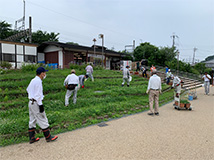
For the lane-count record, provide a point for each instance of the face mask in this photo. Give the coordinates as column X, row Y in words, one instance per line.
column 44, row 76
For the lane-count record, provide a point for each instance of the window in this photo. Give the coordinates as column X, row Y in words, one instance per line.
column 9, row 57
column 29, row 58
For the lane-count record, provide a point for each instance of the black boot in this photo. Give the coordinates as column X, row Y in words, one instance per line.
column 48, row 136
column 31, row 132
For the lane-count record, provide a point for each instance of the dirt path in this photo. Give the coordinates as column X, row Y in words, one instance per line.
column 172, row 135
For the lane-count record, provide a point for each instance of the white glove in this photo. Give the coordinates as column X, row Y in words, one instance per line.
column 160, row 92
column 147, row 91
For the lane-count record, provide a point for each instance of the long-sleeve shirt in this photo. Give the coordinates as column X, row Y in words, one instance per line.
column 176, row 81
column 89, row 69
column 71, row 79
column 154, row 82
column 35, row 90
column 81, row 79
column 126, row 73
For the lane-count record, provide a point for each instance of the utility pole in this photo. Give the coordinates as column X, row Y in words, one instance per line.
column 178, row 62
column 30, row 30
column 193, row 58
column 94, row 48
column 102, row 37
column 173, row 39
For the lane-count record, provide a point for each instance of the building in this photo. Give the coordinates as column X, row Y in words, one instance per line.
column 63, row 54
column 16, row 53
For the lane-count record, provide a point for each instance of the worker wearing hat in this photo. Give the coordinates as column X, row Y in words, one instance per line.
column 168, row 76
column 126, row 75
column 36, row 108
column 71, row 82
column 154, row 90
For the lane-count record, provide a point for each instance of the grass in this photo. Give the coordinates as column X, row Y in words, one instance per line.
column 92, row 107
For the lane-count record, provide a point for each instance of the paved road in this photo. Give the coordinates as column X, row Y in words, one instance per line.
column 183, row 135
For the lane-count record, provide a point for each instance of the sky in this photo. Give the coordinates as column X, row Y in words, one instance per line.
column 122, row 22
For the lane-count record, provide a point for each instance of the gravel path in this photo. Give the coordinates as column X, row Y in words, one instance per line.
column 170, row 136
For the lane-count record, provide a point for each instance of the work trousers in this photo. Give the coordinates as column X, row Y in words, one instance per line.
column 35, row 117
column 154, row 96
column 68, row 95
column 125, row 80
column 207, row 87
column 90, row 75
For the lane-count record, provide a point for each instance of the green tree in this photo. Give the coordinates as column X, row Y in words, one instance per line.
column 200, row 67
column 73, row 43
column 5, row 30
column 43, row 36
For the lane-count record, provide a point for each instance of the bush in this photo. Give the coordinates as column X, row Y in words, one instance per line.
column 30, row 67
column 4, row 65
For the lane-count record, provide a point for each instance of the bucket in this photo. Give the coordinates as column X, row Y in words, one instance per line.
column 190, row 98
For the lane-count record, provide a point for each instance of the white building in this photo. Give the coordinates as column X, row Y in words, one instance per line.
column 16, row 53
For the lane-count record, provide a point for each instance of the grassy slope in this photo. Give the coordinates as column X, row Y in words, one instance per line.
column 91, row 107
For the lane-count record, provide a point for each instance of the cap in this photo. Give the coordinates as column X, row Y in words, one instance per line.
column 154, row 71
column 73, row 71
column 40, row 70
column 169, row 70
column 127, row 66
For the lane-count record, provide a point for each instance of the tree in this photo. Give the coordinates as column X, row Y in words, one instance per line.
column 40, row 36
column 73, row 43
column 5, row 30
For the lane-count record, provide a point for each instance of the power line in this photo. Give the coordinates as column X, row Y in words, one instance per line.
column 100, row 27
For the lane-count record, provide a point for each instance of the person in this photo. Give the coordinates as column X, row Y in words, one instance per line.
column 168, row 76
column 71, row 84
column 126, row 76
column 177, row 85
column 167, row 69
column 144, row 71
column 36, row 108
column 154, row 90
column 89, row 71
column 152, row 68
column 138, row 66
column 206, row 79
column 82, row 78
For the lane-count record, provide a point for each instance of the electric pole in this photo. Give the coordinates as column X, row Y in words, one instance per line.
column 193, row 58
column 173, row 39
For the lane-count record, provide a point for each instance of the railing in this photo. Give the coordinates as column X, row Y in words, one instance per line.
column 180, row 73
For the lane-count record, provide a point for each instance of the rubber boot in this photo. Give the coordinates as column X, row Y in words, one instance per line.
column 48, row 136
column 31, row 132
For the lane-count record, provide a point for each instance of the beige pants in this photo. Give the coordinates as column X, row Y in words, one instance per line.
column 154, row 96
column 35, row 117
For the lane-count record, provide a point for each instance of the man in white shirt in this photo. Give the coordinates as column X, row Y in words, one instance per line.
column 206, row 79
column 126, row 76
column 177, row 85
column 36, row 108
column 89, row 72
column 71, row 82
column 154, row 90
column 168, row 76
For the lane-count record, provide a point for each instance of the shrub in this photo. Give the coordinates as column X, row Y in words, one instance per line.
column 5, row 64
column 30, row 67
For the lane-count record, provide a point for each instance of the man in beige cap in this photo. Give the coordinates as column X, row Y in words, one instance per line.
column 71, row 82
column 154, row 89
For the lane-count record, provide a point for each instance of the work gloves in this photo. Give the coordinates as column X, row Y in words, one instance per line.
column 41, row 108
column 82, row 86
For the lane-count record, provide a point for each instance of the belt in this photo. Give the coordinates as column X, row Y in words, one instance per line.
column 154, row 89
column 33, row 100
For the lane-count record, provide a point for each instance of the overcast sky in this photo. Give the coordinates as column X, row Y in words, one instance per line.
column 122, row 21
